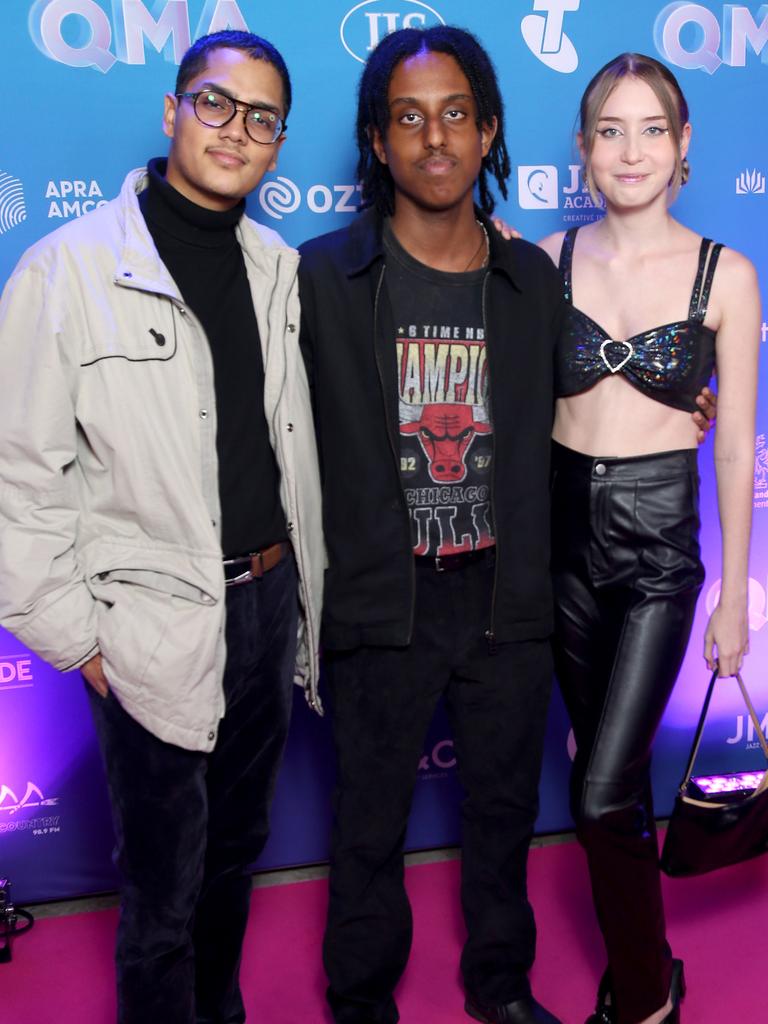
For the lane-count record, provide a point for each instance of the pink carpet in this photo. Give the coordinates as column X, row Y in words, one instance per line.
column 62, row 971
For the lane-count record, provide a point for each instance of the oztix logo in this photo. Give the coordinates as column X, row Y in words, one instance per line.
column 280, row 196
column 545, row 37
column 80, row 33
column 365, row 25
column 13, row 209
column 690, row 35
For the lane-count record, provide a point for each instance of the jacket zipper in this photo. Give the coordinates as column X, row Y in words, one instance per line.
column 490, row 635
column 392, row 448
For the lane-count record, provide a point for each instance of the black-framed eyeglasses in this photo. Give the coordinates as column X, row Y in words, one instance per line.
column 214, row 110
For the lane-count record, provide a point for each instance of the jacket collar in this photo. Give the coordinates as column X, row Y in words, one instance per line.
column 365, row 246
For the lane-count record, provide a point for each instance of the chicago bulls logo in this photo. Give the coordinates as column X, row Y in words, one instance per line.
column 445, row 433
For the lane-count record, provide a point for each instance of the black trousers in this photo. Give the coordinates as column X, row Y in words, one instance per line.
column 627, row 574
column 382, row 701
column 188, row 824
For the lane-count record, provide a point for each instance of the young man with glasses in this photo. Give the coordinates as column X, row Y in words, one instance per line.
column 159, row 513
column 429, row 344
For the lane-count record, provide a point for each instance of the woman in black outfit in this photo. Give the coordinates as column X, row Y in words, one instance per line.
column 626, row 562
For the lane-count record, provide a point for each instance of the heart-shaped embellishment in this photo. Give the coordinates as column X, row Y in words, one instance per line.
column 614, row 368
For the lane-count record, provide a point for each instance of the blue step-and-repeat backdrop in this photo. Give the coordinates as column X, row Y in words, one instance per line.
column 84, row 83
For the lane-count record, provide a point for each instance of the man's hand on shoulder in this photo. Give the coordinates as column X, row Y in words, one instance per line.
column 94, row 674
column 505, row 230
column 705, row 415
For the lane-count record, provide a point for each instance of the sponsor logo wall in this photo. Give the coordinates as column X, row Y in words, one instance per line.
column 88, row 80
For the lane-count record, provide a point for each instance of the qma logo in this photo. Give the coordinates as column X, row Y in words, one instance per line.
column 365, row 25
column 13, row 208
column 757, row 602
column 280, row 196
column 73, row 198
column 79, row 33
column 538, row 188
column 16, row 672
column 545, row 37
column 690, row 35
column 750, row 183
column 440, row 759
column 33, row 797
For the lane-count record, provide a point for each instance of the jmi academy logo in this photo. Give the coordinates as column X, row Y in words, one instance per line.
column 545, row 37
column 691, row 36
column 366, row 24
column 13, row 208
column 280, row 196
column 538, row 188
column 81, row 34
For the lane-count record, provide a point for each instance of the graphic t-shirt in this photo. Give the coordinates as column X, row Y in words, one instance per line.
column 446, row 442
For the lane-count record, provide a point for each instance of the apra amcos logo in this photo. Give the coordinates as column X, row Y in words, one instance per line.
column 691, row 36
column 80, row 33
column 13, row 208
column 546, row 38
column 280, row 196
column 73, row 198
column 365, row 25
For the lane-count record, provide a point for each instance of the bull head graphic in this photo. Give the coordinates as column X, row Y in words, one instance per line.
column 445, row 432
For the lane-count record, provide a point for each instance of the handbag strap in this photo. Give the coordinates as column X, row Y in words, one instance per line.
column 703, row 718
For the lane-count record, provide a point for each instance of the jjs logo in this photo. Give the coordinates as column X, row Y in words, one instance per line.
column 690, row 35
column 79, row 33
column 366, row 24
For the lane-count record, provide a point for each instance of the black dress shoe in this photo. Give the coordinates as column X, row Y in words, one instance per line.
column 521, row 1011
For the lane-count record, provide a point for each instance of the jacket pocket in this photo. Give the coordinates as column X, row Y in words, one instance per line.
column 150, row 624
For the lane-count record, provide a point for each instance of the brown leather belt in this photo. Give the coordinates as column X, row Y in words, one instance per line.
column 253, row 566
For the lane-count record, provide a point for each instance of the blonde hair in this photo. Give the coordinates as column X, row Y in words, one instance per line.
column 666, row 89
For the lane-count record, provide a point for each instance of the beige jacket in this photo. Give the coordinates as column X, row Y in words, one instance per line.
column 109, row 507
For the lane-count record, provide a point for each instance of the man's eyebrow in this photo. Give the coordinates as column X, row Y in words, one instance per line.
column 414, row 101
column 261, row 104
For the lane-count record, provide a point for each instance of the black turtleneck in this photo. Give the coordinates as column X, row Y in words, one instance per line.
column 201, row 251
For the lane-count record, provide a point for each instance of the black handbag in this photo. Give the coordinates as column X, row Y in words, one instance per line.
column 705, row 834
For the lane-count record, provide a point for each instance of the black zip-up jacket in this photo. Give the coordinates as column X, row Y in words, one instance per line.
column 348, row 340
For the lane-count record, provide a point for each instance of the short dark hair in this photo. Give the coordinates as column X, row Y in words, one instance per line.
column 373, row 107
column 195, row 60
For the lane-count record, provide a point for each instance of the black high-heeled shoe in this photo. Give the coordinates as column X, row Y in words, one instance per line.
column 676, row 992
column 604, row 1009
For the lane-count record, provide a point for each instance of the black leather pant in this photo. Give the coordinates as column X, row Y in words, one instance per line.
column 627, row 574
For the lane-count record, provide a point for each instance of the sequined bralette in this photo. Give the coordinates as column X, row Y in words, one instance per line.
column 670, row 363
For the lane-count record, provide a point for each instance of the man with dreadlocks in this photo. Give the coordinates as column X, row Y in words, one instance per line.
column 429, row 341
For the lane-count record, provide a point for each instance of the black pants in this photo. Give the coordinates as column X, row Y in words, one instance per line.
column 382, row 701
column 188, row 824
column 627, row 575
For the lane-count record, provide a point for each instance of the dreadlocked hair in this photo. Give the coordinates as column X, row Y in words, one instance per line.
column 373, row 108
